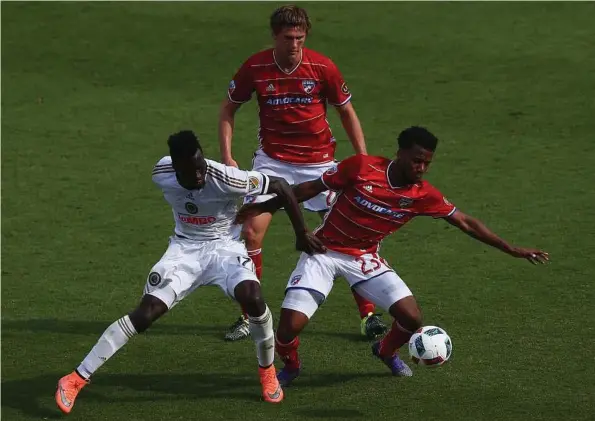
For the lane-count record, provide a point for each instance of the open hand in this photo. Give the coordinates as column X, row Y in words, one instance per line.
column 309, row 243
column 535, row 256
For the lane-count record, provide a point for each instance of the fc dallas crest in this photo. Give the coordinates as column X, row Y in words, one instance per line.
column 308, row 85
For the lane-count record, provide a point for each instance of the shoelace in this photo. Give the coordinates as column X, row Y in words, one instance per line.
column 74, row 386
column 269, row 376
column 238, row 323
column 374, row 320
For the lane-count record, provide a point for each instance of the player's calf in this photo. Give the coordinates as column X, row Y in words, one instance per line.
column 287, row 341
column 288, row 353
column 260, row 322
column 407, row 313
column 253, row 232
column 407, row 319
column 113, row 339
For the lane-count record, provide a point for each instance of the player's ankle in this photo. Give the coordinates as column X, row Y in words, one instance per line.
column 366, row 311
column 265, row 368
column 78, row 373
column 293, row 365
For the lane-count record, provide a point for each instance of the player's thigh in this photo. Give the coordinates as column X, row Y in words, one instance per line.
column 269, row 166
column 384, row 290
column 177, row 273
column 373, row 279
column 322, row 201
column 314, row 274
column 304, row 301
column 230, row 266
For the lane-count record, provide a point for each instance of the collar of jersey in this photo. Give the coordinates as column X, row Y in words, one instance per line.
column 391, row 184
column 296, row 66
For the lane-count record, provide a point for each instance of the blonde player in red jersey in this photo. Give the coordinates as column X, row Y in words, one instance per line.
column 293, row 86
column 376, row 197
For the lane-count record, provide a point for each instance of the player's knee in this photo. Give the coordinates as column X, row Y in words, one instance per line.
column 249, row 295
column 149, row 310
column 407, row 313
column 413, row 320
column 410, row 320
column 291, row 323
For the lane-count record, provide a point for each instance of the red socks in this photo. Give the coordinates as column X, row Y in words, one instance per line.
column 288, row 353
column 365, row 307
column 394, row 339
column 256, row 256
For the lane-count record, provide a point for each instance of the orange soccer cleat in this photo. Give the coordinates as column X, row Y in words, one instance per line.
column 271, row 389
column 69, row 387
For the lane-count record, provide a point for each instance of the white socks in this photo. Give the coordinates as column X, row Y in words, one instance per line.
column 261, row 330
column 114, row 338
column 119, row 332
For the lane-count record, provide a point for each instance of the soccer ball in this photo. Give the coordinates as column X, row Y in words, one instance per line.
column 430, row 346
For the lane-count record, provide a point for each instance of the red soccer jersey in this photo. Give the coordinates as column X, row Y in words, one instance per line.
column 368, row 208
column 292, row 106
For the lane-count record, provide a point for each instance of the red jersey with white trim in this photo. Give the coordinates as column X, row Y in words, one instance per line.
column 368, row 208
column 292, row 105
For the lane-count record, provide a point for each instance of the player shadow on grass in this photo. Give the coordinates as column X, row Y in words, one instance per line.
column 329, row 413
column 35, row 396
column 95, row 327
column 347, row 336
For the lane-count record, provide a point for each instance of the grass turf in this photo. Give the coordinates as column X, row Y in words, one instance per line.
column 90, row 92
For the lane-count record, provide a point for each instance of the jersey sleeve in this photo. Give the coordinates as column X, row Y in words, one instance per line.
column 337, row 92
column 344, row 174
column 234, row 182
column 241, row 86
column 436, row 205
column 162, row 171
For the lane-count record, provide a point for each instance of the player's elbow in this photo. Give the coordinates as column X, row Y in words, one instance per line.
column 280, row 187
column 227, row 110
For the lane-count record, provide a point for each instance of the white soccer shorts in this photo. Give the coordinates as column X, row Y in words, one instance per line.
column 188, row 264
column 368, row 274
column 293, row 174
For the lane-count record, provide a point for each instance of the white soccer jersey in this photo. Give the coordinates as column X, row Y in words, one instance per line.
column 208, row 214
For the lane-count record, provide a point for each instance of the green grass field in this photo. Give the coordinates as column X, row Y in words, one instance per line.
column 90, row 92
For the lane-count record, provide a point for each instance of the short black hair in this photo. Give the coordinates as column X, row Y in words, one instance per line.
column 416, row 135
column 183, row 144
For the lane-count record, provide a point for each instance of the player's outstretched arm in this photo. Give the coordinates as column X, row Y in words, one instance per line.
column 302, row 192
column 226, row 124
column 304, row 240
column 352, row 127
column 476, row 229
